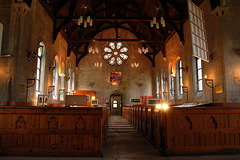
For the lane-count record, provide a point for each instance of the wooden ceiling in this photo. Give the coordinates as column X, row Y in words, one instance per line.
column 131, row 15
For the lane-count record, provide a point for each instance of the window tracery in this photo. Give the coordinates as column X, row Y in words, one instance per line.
column 115, row 53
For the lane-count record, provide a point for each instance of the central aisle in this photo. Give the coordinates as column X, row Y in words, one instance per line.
column 124, row 142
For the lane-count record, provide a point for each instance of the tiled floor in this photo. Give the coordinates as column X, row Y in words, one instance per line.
column 125, row 143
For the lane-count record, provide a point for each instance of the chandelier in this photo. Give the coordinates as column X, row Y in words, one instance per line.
column 85, row 22
column 154, row 22
column 142, row 50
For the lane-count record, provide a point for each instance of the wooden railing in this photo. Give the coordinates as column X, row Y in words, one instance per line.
column 48, row 131
column 188, row 130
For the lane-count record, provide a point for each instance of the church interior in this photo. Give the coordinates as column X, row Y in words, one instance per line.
column 72, row 70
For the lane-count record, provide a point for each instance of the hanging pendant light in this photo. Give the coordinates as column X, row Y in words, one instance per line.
column 85, row 24
column 157, row 25
column 91, row 22
column 154, row 20
column 88, row 19
column 151, row 23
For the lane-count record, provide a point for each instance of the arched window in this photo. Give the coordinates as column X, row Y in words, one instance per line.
column 62, row 82
column 73, row 81
column 163, row 84
column 199, row 74
column 1, row 35
column 171, row 82
column 69, row 82
column 180, row 77
column 55, row 78
column 158, row 85
column 40, row 68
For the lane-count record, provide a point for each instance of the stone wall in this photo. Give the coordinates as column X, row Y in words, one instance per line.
column 23, row 32
column 136, row 82
column 231, row 47
column 213, row 69
column 24, row 28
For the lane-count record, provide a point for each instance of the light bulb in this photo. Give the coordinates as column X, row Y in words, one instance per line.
column 154, row 20
column 162, row 20
column 151, row 23
column 157, row 25
column 81, row 19
column 88, row 19
column 91, row 22
column 139, row 50
column 85, row 24
column 79, row 22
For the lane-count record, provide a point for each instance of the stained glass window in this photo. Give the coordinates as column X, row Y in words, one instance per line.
column 115, row 53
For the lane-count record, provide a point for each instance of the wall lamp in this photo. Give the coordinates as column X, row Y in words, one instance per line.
column 67, row 78
column 184, row 69
column 31, row 55
column 61, row 91
column 51, row 89
column 30, row 83
column 164, row 79
column 209, row 83
column 51, row 68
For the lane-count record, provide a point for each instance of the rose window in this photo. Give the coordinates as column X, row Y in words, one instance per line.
column 115, row 53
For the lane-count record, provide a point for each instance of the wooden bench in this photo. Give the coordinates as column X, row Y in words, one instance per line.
column 52, row 131
column 189, row 130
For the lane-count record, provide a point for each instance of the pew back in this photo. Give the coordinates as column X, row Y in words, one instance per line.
column 52, row 131
column 188, row 130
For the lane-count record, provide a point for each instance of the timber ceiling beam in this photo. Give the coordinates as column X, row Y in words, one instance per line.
column 56, row 29
column 83, row 54
column 130, row 19
column 114, row 39
column 61, row 3
column 178, row 29
column 176, row 6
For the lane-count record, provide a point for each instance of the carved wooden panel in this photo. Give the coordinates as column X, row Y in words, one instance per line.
column 211, row 123
column 80, row 124
column 186, row 123
column 53, row 123
column 20, row 123
column 68, row 131
column 194, row 130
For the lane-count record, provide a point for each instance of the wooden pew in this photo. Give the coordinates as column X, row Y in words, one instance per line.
column 190, row 130
column 52, row 131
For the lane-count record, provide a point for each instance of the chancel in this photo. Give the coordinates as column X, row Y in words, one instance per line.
column 109, row 78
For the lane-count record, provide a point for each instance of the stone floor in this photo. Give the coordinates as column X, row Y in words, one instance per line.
column 125, row 143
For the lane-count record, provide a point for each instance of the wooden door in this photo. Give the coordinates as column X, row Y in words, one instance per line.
column 116, row 104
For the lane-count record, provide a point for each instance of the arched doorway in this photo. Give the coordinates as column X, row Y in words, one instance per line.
column 116, row 104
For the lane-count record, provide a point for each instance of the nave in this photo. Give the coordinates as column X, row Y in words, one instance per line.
column 124, row 142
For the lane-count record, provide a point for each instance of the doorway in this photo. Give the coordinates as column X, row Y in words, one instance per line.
column 116, row 104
